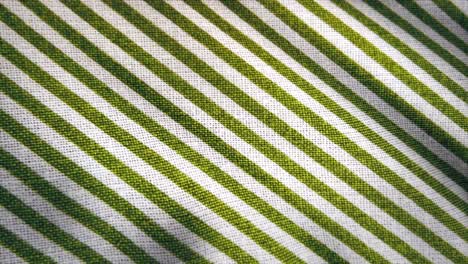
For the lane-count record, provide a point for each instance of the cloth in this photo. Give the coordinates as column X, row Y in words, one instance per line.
column 324, row 131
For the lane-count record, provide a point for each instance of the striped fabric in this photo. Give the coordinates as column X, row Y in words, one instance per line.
column 292, row 131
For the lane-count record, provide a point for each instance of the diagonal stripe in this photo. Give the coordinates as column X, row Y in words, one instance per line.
column 105, row 158
column 245, row 100
column 373, row 100
column 71, row 207
column 369, row 81
column 426, row 86
column 316, row 94
column 278, row 131
column 384, row 69
column 78, row 174
column 329, row 79
column 434, row 8
column 263, row 207
column 9, row 257
column 87, row 48
column 401, row 47
column 454, row 12
column 33, row 235
column 51, row 231
column 424, row 16
column 118, row 39
column 416, row 26
column 415, row 48
column 290, row 116
column 199, row 193
column 21, row 247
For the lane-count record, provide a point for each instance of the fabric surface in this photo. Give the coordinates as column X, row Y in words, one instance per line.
column 324, row 131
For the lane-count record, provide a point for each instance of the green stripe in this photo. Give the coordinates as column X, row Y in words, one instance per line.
column 188, row 153
column 22, row 248
column 226, row 150
column 219, row 82
column 391, row 177
column 420, row 36
column 200, row 130
column 275, row 123
column 367, row 79
column 459, row 91
column 189, row 92
column 282, row 248
column 48, row 229
column 330, row 104
column 101, row 155
column 388, row 63
column 456, row 14
column 253, row 107
column 155, row 160
column 313, row 67
column 414, row 8
column 72, row 208
column 394, row 179
column 84, row 179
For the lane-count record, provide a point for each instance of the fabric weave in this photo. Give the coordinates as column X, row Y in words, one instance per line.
column 291, row 131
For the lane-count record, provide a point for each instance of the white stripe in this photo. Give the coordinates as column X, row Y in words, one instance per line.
column 396, row 56
column 287, row 116
column 201, row 116
column 379, row 72
column 59, row 219
column 444, row 19
column 462, row 5
column 146, row 171
column 202, row 179
column 201, row 84
column 304, row 73
column 409, row 40
column 86, row 199
column 32, row 237
column 427, row 30
column 170, row 155
column 191, row 140
column 355, row 86
column 135, row 198
column 9, row 257
column 242, row 115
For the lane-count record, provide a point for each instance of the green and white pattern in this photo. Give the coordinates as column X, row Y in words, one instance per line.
column 292, row 131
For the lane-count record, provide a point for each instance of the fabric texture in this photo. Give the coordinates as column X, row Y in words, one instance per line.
column 289, row 131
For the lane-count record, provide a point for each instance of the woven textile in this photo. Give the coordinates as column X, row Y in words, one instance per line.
column 289, row 131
